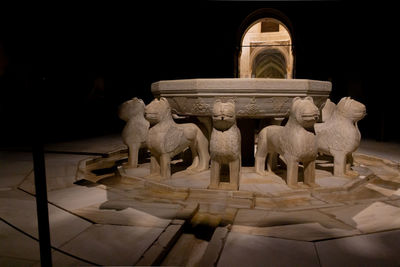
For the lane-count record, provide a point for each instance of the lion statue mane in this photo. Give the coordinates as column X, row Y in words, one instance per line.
column 136, row 129
column 295, row 142
column 167, row 139
column 338, row 135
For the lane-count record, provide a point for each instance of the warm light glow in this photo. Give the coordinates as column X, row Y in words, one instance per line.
column 266, row 51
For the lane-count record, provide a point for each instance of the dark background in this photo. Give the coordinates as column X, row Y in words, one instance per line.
column 52, row 55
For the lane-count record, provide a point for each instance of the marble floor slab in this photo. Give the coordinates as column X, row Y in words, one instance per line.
column 368, row 218
column 262, row 218
column 112, row 244
column 14, row 167
column 19, row 209
column 76, row 196
column 302, row 231
column 250, row 250
column 17, row 248
column 129, row 216
column 378, row 249
column 61, row 172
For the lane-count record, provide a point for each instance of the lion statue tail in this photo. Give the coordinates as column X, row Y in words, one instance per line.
column 327, row 110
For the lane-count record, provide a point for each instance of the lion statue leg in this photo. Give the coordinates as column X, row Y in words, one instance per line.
column 199, row 147
column 133, row 151
column 165, row 166
column 309, row 173
column 195, row 157
column 261, row 154
column 292, row 172
column 214, row 175
column 339, row 163
column 154, row 166
column 272, row 162
column 349, row 163
column 234, row 174
column 202, row 149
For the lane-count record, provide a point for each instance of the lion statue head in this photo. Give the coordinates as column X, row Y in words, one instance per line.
column 304, row 111
column 351, row 109
column 131, row 108
column 223, row 114
column 158, row 110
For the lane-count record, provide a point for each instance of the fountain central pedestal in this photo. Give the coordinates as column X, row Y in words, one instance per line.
column 254, row 97
column 258, row 101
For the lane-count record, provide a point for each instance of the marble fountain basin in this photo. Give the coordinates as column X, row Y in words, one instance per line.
column 254, row 97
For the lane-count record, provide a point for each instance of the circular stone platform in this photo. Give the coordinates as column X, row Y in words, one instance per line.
column 264, row 205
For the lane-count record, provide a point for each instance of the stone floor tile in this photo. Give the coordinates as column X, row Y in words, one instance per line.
column 378, row 249
column 63, row 260
column 386, row 150
column 332, row 181
column 17, row 247
column 13, row 262
column 128, row 216
column 262, row 218
column 61, row 172
column 368, row 218
column 19, row 209
column 302, row 231
column 250, row 250
column 211, row 255
column 112, row 244
column 155, row 254
column 13, row 170
column 356, row 196
column 76, row 197
column 193, row 180
column 161, row 210
column 187, row 251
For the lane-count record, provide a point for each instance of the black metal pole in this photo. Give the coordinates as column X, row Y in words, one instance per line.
column 41, row 204
column 39, row 169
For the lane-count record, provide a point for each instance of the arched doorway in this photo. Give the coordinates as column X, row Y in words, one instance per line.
column 269, row 63
column 265, row 46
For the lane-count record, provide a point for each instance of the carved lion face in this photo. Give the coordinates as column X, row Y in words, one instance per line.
column 157, row 110
column 224, row 115
column 305, row 111
column 351, row 109
column 130, row 108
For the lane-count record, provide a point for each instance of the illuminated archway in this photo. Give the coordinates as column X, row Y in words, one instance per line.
column 266, row 47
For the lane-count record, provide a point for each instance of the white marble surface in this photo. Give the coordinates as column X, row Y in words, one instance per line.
column 387, row 150
column 187, row 251
column 16, row 245
column 374, row 249
column 128, row 216
column 76, row 197
column 373, row 217
column 112, row 244
column 19, row 209
column 14, row 167
column 61, row 172
column 251, row 250
column 300, row 231
column 378, row 249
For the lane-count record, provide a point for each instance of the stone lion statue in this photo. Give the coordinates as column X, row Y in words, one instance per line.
column 338, row 135
column 167, row 139
column 225, row 145
column 295, row 141
column 135, row 131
